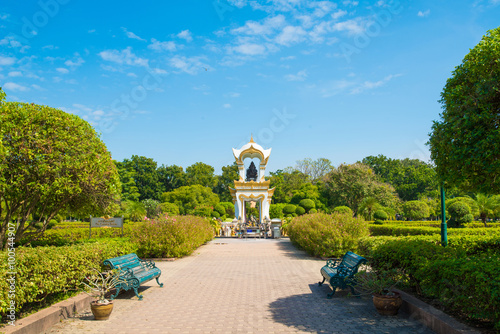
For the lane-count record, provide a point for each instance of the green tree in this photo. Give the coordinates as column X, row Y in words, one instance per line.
column 486, row 205
column 315, row 169
column 286, row 182
column 145, row 176
column 226, row 180
column 135, row 211
column 465, row 143
column 416, row 210
column 171, row 177
column 52, row 161
column 348, row 185
column 412, row 178
column 188, row 198
column 202, row 174
column 307, row 204
column 129, row 188
column 152, row 207
column 368, row 206
column 460, row 214
column 169, row 208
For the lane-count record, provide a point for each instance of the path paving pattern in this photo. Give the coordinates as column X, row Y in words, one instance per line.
column 241, row 286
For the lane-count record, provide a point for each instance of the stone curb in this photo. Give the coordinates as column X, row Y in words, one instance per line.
column 431, row 317
column 46, row 318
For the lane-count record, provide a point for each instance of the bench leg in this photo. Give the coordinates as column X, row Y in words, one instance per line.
column 137, row 293
column 321, row 283
column 160, row 284
column 330, row 295
column 353, row 292
column 116, row 293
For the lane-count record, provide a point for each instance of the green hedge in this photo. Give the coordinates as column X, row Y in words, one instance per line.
column 324, row 235
column 43, row 272
column 175, row 236
column 402, row 230
column 464, row 283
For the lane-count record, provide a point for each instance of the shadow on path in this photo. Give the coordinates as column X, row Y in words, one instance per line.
column 315, row 313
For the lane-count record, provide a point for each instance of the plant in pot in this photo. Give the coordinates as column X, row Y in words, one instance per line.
column 97, row 284
column 380, row 285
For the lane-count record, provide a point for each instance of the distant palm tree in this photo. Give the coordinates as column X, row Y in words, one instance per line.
column 367, row 207
column 135, row 211
column 487, row 205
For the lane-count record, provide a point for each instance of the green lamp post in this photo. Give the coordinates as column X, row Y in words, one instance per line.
column 444, row 228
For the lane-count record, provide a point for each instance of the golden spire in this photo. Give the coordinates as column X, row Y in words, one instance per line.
column 251, row 138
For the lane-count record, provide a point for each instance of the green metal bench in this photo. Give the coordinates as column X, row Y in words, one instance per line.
column 340, row 274
column 133, row 272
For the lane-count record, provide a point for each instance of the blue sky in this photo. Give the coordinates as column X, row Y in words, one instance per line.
column 185, row 81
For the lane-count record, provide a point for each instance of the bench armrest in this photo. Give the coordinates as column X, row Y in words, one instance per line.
column 148, row 264
column 332, row 263
column 126, row 273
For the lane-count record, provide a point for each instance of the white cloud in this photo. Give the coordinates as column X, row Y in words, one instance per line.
column 62, row 70
column 338, row 14
column 131, row 35
column 287, row 58
column 15, row 87
column 78, row 62
column 354, row 86
column 123, row 57
column 38, row 87
column 424, row 14
column 82, row 107
column 291, row 35
column 353, row 27
column 133, row 75
column 162, row 46
column 189, row 65
column 234, row 94
column 50, row 47
column 15, row 74
column 227, row 105
column 250, row 49
column 91, row 31
column 268, row 26
column 6, row 61
column 159, row 71
column 185, row 34
column 300, row 76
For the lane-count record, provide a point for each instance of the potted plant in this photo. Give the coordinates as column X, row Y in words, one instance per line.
column 381, row 284
column 97, row 285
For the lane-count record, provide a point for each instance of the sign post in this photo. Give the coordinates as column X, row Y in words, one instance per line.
column 105, row 222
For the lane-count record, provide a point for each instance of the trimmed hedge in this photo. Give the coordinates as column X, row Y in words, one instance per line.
column 464, row 283
column 324, row 235
column 402, row 230
column 43, row 272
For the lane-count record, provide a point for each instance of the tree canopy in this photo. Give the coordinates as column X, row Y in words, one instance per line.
column 202, row 174
column 465, row 143
column 52, row 161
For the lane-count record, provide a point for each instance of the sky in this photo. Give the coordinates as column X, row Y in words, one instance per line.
column 186, row 81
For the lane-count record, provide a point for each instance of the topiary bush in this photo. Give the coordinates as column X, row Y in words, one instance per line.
column 169, row 208
column 176, row 236
column 215, row 214
column 313, row 211
column 220, row 209
column 459, row 214
column 343, row 209
column 203, row 211
column 327, row 235
column 415, row 210
column 307, row 204
column 229, row 207
column 289, row 209
column 380, row 215
column 300, row 211
column 276, row 210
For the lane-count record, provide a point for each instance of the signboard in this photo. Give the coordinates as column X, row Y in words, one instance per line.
column 106, row 222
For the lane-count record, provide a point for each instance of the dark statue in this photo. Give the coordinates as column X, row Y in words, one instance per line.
column 252, row 172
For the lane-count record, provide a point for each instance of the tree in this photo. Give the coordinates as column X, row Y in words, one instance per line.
column 171, row 177
column 129, row 188
column 368, row 206
column 52, row 161
column 314, row 169
column 416, row 210
column 226, row 180
column 146, row 177
column 135, row 211
column 411, row 178
column 348, row 185
column 152, row 207
column 460, row 214
column 486, row 205
column 465, row 143
column 286, row 182
column 188, row 198
column 202, row 174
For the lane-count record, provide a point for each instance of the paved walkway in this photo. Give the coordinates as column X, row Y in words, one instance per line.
column 241, row 286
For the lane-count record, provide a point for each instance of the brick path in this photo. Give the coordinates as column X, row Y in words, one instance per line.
column 241, row 286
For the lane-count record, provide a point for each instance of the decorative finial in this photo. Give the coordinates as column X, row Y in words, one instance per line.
column 251, row 138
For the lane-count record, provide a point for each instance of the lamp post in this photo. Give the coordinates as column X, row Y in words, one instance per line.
column 444, row 228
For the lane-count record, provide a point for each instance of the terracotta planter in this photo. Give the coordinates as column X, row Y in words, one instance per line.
column 387, row 305
column 101, row 311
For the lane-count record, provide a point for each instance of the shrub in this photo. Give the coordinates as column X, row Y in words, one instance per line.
column 276, row 210
column 220, row 209
column 229, row 207
column 313, row 211
column 343, row 209
column 171, row 236
column 380, row 215
column 459, row 214
column 416, row 210
column 289, row 209
column 326, row 235
column 169, row 208
column 307, row 204
column 300, row 211
column 152, row 207
column 203, row 211
column 215, row 214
